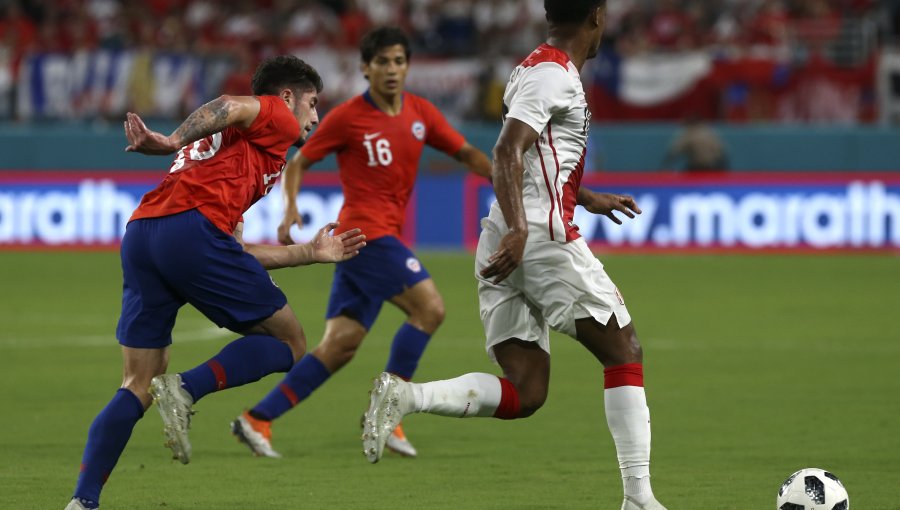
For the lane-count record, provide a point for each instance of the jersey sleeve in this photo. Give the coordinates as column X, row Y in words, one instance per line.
column 275, row 127
column 540, row 92
column 330, row 136
column 439, row 133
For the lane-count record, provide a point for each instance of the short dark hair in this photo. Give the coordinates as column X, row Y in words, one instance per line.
column 381, row 38
column 275, row 73
column 570, row 11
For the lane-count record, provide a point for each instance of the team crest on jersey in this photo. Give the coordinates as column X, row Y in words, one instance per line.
column 418, row 130
column 413, row 265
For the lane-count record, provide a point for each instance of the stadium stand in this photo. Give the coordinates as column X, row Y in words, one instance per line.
column 728, row 60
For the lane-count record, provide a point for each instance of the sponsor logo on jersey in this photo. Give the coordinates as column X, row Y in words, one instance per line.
column 371, row 136
column 413, row 265
column 418, row 130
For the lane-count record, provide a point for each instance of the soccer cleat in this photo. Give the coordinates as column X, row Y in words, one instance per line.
column 390, row 399
column 630, row 504
column 256, row 434
column 174, row 404
column 397, row 443
column 76, row 504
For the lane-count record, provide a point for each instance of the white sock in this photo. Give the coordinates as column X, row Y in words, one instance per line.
column 628, row 418
column 638, row 489
column 468, row 395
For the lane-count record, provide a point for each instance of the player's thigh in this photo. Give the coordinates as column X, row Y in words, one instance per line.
column 423, row 304
column 349, row 300
column 284, row 326
column 390, row 271
column 212, row 272
column 384, row 270
column 421, row 295
column 610, row 343
column 527, row 366
column 506, row 313
column 568, row 283
column 149, row 304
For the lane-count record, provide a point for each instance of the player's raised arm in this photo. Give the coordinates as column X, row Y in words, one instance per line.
column 291, row 180
column 214, row 116
column 475, row 161
column 515, row 138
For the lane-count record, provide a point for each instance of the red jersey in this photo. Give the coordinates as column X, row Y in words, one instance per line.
column 222, row 175
column 378, row 157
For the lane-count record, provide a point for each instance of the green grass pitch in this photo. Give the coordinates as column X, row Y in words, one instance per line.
column 756, row 366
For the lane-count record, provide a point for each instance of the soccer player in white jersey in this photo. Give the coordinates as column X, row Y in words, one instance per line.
column 534, row 270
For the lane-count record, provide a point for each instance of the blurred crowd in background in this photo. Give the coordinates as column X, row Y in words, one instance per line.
column 725, row 60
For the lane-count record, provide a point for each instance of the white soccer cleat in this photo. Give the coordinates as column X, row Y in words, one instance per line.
column 174, row 404
column 398, row 443
column 256, row 434
column 76, row 504
column 630, row 504
column 390, row 399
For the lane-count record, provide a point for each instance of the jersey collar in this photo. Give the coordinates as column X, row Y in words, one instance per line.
column 367, row 95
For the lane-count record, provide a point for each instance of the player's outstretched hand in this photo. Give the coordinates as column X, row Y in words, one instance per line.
column 290, row 219
column 606, row 203
column 507, row 257
column 144, row 140
column 331, row 248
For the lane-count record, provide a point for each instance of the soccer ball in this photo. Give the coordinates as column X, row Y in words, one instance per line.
column 812, row 489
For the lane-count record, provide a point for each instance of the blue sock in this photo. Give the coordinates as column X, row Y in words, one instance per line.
column 243, row 361
column 409, row 344
column 307, row 375
column 107, row 438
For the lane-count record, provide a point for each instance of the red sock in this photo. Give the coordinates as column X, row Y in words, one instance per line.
column 508, row 408
column 629, row 374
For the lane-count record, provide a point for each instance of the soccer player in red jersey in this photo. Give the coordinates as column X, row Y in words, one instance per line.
column 183, row 245
column 535, row 272
column 378, row 137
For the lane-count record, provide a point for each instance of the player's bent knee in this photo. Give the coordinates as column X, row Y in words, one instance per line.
column 297, row 345
column 338, row 348
column 438, row 313
column 529, row 406
column 429, row 316
column 531, row 398
column 139, row 384
column 284, row 326
column 342, row 356
column 634, row 351
column 334, row 357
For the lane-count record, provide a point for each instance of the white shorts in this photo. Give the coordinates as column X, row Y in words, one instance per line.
column 556, row 284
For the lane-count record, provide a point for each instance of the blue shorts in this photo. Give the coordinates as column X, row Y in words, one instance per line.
column 183, row 258
column 382, row 270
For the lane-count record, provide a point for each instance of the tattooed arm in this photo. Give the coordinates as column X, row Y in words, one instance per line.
column 214, row 116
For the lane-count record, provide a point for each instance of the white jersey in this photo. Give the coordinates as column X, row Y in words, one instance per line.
column 545, row 92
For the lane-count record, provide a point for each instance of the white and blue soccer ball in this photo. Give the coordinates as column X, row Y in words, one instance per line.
column 812, row 489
